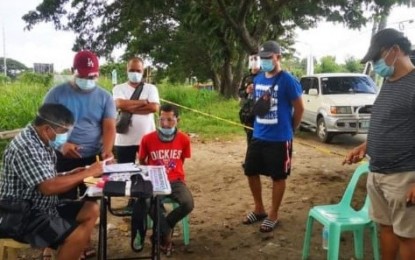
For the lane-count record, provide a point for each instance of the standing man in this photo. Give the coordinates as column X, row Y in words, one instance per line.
column 94, row 112
column 269, row 152
column 169, row 147
column 246, row 94
column 143, row 109
column 29, row 175
column 390, row 145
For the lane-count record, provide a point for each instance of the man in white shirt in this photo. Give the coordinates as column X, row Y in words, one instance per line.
column 143, row 109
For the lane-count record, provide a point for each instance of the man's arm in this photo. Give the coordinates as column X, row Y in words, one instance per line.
column 298, row 111
column 61, row 184
column 108, row 137
column 141, row 107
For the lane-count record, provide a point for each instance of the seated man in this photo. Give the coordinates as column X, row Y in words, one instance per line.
column 169, row 147
column 29, row 174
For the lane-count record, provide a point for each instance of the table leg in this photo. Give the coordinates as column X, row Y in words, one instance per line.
column 102, row 237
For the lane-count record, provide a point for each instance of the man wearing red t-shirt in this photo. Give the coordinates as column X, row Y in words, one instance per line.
column 169, row 147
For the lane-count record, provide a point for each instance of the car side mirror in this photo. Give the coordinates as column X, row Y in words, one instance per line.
column 313, row 92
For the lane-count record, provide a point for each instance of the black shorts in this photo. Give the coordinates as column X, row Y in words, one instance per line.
column 268, row 158
column 50, row 231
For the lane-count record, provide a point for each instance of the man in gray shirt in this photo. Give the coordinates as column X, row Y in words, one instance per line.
column 390, row 145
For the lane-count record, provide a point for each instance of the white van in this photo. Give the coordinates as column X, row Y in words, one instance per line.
column 337, row 103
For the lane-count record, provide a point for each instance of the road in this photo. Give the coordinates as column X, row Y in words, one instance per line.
column 340, row 144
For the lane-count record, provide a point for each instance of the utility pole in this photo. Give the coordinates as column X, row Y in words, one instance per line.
column 4, row 53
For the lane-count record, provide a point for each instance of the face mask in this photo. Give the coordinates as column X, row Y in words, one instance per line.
column 254, row 62
column 267, row 65
column 167, row 131
column 382, row 69
column 85, row 84
column 135, row 77
column 59, row 141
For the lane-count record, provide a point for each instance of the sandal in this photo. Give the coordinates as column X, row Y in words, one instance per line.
column 167, row 249
column 268, row 225
column 252, row 218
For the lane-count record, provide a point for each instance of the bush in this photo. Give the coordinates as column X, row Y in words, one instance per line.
column 30, row 78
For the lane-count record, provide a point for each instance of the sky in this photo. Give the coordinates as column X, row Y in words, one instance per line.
column 43, row 44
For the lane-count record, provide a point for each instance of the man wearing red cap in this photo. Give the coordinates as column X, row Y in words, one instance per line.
column 94, row 111
column 390, row 145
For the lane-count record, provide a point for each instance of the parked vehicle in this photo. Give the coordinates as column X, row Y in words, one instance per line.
column 337, row 103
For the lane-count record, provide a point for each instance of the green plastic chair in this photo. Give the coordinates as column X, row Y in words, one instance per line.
column 184, row 221
column 342, row 217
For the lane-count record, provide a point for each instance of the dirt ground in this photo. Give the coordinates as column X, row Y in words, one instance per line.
column 222, row 199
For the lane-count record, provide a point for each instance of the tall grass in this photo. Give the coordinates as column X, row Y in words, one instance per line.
column 192, row 101
column 20, row 101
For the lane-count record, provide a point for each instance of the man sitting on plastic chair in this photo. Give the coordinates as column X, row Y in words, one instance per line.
column 169, row 147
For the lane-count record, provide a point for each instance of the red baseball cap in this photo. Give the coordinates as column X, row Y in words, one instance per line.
column 86, row 64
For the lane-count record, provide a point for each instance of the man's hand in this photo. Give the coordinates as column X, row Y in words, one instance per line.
column 106, row 156
column 70, row 150
column 96, row 169
column 410, row 197
column 249, row 89
column 356, row 155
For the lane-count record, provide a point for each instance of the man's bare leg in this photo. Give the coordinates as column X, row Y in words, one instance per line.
column 278, row 189
column 407, row 248
column 256, row 190
column 389, row 243
column 75, row 244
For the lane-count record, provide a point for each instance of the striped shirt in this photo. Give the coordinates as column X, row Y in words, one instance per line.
column 391, row 137
column 27, row 162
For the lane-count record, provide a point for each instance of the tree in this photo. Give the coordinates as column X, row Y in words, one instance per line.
column 12, row 65
column 327, row 65
column 203, row 38
column 353, row 65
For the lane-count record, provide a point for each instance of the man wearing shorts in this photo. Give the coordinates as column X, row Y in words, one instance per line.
column 390, row 145
column 29, row 173
column 269, row 152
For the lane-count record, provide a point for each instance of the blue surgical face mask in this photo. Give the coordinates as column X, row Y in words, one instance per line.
column 85, row 84
column 267, row 65
column 60, row 140
column 167, row 131
column 135, row 77
column 382, row 69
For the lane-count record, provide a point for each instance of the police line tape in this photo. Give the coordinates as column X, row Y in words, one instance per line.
column 319, row 148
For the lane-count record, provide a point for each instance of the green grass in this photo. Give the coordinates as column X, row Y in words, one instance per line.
column 20, row 101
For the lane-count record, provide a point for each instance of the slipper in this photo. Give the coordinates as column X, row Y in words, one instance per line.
column 268, row 225
column 252, row 218
column 167, row 249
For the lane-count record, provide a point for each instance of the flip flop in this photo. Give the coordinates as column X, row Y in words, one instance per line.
column 268, row 225
column 252, row 218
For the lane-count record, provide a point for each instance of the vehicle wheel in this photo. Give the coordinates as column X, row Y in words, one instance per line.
column 322, row 133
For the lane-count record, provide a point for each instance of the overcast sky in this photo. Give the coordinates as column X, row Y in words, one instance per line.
column 45, row 45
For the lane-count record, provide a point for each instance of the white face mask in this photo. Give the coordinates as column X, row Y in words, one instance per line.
column 85, row 84
column 254, row 62
column 135, row 77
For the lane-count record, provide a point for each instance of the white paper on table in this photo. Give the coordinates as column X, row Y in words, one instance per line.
column 121, row 167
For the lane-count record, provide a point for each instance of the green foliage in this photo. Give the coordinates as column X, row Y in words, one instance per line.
column 206, row 39
column 12, row 64
column 31, row 78
column 20, row 102
column 4, row 79
column 196, row 106
column 327, row 64
column 120, row 67
column 353, row 65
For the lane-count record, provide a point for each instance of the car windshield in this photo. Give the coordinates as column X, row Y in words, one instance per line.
column 347, row 85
